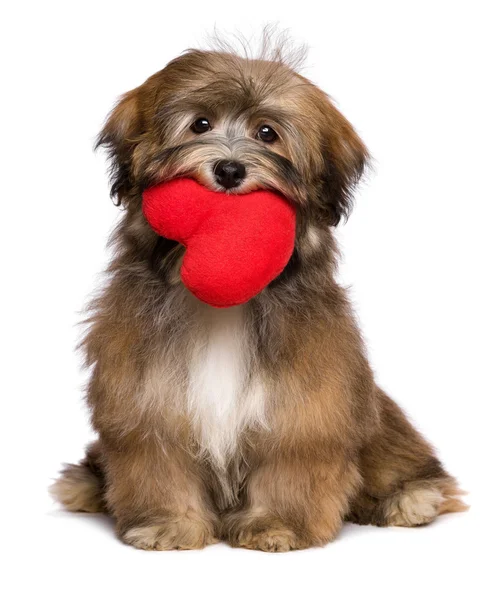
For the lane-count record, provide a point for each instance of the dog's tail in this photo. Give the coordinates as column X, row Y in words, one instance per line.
column 81, row 488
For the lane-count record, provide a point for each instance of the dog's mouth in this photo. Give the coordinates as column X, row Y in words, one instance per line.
column 233, row 249
column 243, row 170
column 212, row 185
column 237, row 175
column 205, row 177
column 247, row 186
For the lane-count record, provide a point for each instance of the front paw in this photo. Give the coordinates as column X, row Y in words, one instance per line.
column 270, row 540
column 179, row 533
column 268, row 535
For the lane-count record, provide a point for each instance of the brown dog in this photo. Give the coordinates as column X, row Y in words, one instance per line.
column 259, row 424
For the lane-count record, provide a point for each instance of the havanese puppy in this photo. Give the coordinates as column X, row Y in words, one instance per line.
column 259, row 424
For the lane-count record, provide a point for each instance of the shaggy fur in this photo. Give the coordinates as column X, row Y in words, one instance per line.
column 261, row 424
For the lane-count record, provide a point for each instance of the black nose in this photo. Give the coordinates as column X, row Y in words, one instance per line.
column 229, row 173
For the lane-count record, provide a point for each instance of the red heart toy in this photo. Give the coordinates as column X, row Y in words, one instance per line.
column 236, row 244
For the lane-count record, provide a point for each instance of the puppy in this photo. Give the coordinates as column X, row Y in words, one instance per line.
column 260, row 424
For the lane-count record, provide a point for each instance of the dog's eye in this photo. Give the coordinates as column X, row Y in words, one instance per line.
column 267, row 134
column 201, row 125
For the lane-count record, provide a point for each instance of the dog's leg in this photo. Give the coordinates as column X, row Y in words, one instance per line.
column 404, row 482
column 293, row 502
column 158, row 498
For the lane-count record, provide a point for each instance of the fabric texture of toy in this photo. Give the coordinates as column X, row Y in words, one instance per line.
column 235, row 244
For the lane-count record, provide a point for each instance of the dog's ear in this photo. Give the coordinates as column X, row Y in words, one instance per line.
column 120, row 135
column 345, row 160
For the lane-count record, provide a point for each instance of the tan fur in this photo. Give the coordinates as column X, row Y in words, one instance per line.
column 299, row 438
column 78, row 490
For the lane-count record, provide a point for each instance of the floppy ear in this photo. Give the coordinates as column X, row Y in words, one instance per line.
column 119, row 136
column 345, row 160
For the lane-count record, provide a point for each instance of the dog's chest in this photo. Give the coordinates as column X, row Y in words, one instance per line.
column 225, row 394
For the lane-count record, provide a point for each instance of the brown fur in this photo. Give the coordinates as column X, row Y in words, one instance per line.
column 333, row 445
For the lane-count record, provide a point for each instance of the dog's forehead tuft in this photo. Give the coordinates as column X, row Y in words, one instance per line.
column 227, row 80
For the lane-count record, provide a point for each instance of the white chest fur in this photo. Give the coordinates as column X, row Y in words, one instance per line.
column 225, row 395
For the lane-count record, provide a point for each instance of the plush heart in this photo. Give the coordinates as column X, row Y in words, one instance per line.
column 235, row 244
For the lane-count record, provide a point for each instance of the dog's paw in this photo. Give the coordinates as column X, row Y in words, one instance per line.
column 78, row 489
column 414, row 507
column 261, row 533
column 270, row 540
column 176, row 534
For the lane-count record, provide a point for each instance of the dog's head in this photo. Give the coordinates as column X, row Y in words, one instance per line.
column 237, row 125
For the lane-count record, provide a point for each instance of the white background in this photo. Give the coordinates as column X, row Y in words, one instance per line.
column 422, row 253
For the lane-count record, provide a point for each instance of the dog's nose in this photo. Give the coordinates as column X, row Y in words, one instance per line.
column 229, row 173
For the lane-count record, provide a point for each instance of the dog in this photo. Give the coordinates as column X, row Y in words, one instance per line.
column 261, row 424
